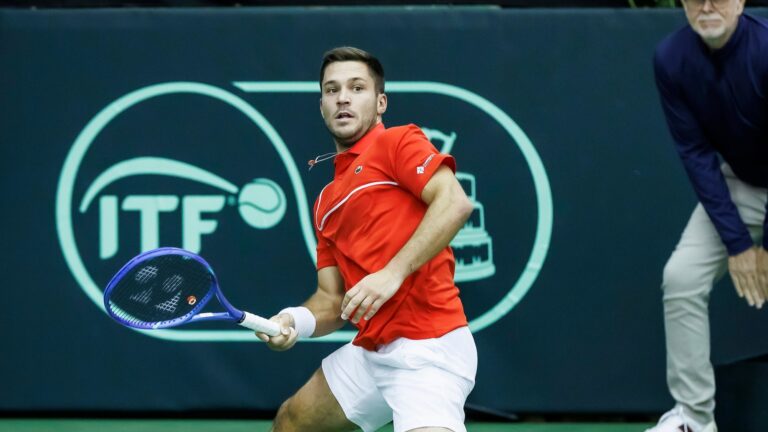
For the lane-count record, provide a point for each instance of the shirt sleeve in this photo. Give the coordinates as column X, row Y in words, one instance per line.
column 414, row 160
column 701, row 164
column 764, row 90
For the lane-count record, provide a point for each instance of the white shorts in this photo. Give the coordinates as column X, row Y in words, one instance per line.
column 416, row 383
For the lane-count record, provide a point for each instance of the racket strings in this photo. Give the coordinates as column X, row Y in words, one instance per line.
column 152, row 291
column 169, row 306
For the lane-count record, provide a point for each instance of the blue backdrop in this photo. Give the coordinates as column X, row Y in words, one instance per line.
column 126, row 129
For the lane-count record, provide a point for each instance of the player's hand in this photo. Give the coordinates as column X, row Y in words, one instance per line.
column 364, row 299
column 743, row 269
column 762, row 270
column 287, row 337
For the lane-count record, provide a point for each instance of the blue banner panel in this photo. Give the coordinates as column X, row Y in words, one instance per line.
column 125, row 130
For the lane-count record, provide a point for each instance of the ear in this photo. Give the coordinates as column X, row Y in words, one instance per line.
column 381, row 103
column 321, row 108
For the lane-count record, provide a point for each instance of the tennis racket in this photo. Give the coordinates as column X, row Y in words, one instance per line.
column 168, row 287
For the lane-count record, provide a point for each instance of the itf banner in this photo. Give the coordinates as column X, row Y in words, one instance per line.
column 126, row 130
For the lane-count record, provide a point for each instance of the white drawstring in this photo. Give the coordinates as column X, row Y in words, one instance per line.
column 320, row 158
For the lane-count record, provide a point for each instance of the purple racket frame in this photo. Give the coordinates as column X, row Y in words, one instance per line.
column 233, row 314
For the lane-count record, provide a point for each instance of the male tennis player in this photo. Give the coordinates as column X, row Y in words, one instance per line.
column 713, row 81
column 383, row 263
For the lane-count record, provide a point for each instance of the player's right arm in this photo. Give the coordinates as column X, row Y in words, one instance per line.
column 324, row 304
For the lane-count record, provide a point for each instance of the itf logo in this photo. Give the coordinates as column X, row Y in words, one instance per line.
column 199, row 167
column 261, row 204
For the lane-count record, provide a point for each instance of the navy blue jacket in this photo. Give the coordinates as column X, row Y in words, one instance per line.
column 717, row 102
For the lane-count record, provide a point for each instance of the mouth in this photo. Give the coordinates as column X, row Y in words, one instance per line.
column 709, row 20
column 343, row 115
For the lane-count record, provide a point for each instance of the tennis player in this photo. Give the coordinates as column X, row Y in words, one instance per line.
column 383, row 263
column 712, row 76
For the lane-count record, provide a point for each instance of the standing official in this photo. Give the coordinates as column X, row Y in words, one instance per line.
column 713, row 80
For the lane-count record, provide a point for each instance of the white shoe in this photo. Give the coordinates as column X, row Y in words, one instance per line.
column 675, row 420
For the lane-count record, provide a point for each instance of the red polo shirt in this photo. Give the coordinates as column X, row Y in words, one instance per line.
column 367, row 214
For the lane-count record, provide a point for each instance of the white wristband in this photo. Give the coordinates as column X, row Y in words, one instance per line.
column 303, row 320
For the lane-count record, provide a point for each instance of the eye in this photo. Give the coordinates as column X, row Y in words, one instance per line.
column 357, row 88
column 330, row 90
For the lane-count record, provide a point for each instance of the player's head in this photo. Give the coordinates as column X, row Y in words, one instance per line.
column 352, row 97
column 714, row 20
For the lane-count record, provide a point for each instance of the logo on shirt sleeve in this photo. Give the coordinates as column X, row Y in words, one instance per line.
column 420, row 168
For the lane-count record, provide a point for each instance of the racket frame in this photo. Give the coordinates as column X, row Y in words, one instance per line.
column 231, row 314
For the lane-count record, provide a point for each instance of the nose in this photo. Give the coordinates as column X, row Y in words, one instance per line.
column 343, row 97
column 707, row 6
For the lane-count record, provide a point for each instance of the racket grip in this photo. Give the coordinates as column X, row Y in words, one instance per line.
column 259, row 324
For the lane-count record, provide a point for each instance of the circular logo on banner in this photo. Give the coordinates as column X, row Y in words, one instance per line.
column 125, row 188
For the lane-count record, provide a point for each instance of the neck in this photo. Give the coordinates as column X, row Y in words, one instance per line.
column 344, row 146
column 341, row 148
column 716, row 44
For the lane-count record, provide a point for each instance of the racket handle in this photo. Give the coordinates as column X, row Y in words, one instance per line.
column 259, row 324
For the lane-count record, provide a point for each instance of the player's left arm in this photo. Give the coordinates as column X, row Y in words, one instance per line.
column 448, row 208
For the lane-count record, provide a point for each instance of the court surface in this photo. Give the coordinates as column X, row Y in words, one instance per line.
column 100, row 425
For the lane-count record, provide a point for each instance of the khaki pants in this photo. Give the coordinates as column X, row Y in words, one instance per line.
column 698, row 261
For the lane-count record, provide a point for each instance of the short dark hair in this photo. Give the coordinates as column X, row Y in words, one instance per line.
column 348, row 53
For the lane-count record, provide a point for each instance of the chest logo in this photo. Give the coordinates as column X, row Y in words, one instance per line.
column 358, row 169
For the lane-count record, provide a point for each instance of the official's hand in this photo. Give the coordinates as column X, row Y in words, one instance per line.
column 762, row 270
column 366, row 297
column 743, row 270
column 287, row 337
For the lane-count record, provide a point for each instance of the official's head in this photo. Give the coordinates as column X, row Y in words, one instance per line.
column 713, row 20
column 352, row 93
